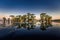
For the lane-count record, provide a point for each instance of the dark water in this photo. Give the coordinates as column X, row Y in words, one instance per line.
column 40, row 31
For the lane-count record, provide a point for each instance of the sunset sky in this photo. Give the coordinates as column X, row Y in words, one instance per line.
column 21, row 7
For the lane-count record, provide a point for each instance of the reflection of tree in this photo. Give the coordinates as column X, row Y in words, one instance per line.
column 46, row 21
column 12, row 19
column 18, row 20
column 30, row 27
column 4, row 21
column 23, row 21
column 45, row 25
column 30, row 19
column 28, row 14
column 8, row 20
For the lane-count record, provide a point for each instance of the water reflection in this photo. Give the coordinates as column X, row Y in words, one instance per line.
column 28, row 21
column 45, row 25
column 4, row 21
column 31, row 29
column 29, row 26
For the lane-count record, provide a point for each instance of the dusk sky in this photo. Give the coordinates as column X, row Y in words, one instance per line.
column 17, row 7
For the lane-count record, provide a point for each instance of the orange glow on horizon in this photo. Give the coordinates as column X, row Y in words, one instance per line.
column 53, row 17
column 37, row 17
column 1, row 16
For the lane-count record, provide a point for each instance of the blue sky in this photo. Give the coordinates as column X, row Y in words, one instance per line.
column 51, row 7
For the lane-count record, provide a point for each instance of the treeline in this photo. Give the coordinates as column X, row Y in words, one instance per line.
column 56, row 20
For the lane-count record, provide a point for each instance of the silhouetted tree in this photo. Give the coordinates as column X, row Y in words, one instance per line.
column 4, row 21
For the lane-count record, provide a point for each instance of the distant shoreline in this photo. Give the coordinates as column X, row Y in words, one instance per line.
column 56, row 21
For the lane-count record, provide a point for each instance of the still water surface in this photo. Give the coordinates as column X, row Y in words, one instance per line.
column 54, row 30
